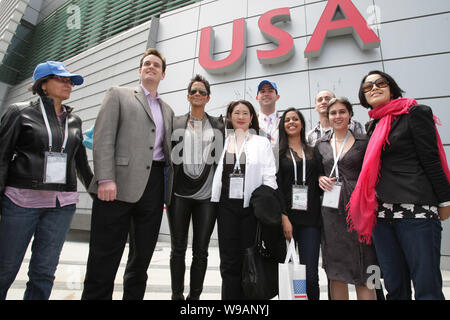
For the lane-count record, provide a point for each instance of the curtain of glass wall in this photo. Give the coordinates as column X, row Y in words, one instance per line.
column 75, row 27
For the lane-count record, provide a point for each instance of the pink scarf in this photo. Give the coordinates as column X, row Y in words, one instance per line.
column 363, row 203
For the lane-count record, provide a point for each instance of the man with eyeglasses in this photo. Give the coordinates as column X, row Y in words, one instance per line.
column 323, row 126
column 133, row 172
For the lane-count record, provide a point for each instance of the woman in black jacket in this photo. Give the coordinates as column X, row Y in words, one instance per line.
column 402, row 191
column 301, row 218
column 41, row 153
column 200, row 138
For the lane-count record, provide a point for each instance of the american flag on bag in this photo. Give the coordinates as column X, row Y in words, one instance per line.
column 300, row 289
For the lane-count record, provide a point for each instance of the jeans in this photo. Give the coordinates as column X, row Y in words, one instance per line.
column 308, row 242
column 409, row 249
column 204, row 214
column 49, row 226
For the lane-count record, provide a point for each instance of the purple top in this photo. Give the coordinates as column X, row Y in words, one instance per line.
column 155, row 109
column 30, row 198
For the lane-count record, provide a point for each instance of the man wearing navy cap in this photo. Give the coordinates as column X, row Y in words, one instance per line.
column 268, row 119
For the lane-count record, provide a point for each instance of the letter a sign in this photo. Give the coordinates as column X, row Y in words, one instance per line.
column 330, row 26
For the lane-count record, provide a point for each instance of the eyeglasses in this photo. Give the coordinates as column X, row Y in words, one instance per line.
column 62, row 79
column 380, row 83
column 194, row 91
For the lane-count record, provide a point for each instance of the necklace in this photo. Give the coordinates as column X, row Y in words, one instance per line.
column 194, row 118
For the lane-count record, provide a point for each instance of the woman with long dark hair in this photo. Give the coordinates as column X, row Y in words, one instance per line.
column 297, row 180
column 402, row 191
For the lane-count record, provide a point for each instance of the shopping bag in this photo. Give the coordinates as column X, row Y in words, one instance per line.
column 291, row 277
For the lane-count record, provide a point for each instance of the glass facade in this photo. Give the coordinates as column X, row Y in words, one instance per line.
column 75, row 27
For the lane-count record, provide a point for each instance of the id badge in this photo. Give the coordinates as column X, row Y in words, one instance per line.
column 299, row 197
column 331, row 198
column 236, row 186
column 55, row 167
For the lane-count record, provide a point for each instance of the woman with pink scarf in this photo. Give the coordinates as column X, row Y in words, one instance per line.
column 403, row 190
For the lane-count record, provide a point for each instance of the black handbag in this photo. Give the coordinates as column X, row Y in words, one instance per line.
column 259, row 271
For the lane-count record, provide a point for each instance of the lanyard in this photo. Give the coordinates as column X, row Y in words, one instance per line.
column 50, row 136
column 336, row 157
column 321, row 130
column 295, row 166
column 237, row 165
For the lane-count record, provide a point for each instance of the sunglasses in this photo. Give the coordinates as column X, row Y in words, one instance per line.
column 62, row 79
column 380, row 83
column 194, row 91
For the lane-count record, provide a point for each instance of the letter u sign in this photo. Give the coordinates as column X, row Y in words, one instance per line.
column 328, row 26
column 283, row 52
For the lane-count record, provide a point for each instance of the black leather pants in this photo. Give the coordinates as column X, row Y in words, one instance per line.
column 204, row 214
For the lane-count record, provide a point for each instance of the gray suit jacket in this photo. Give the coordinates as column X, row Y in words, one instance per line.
column 124, row 137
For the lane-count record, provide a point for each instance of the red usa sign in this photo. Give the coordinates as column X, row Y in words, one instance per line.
column 351, row 22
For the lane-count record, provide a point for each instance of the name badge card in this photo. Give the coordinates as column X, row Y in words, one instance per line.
column 55, row 163
column 299, row 197
column 236, row 186
column 299, row 192
column 55, row 167
column 331, row 198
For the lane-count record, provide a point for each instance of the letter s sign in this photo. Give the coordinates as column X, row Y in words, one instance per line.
column 283, row 39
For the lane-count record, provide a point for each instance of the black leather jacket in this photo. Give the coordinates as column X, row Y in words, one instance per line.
column 411, row 171
column 24, row 141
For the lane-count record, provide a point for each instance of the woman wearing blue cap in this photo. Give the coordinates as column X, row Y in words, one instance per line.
column 41, row 155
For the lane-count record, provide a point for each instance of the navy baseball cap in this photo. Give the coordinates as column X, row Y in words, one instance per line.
column 55, row 68
column 272, row 84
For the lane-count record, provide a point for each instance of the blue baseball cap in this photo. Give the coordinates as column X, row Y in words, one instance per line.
column 272, row 84
column 55, row 68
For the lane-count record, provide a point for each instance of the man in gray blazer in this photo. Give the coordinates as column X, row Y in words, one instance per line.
column 133, row 178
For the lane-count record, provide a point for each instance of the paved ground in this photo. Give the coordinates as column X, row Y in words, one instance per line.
column 72, row 267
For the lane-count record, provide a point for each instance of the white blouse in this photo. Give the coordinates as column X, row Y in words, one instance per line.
column 259, row 168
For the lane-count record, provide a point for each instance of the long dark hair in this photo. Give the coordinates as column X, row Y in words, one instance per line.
column 284, row 141
column 253, row 125
column 396, row 91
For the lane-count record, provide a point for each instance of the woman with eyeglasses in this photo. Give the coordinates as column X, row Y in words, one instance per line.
column 340, row 155
column 41, row 155
column 197, row 139
column 403, row 190
column 297, row 180
column 247, row 162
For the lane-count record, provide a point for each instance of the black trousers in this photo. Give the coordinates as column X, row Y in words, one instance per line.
column 204, row 214
column 110, row 225
column 236, row 229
